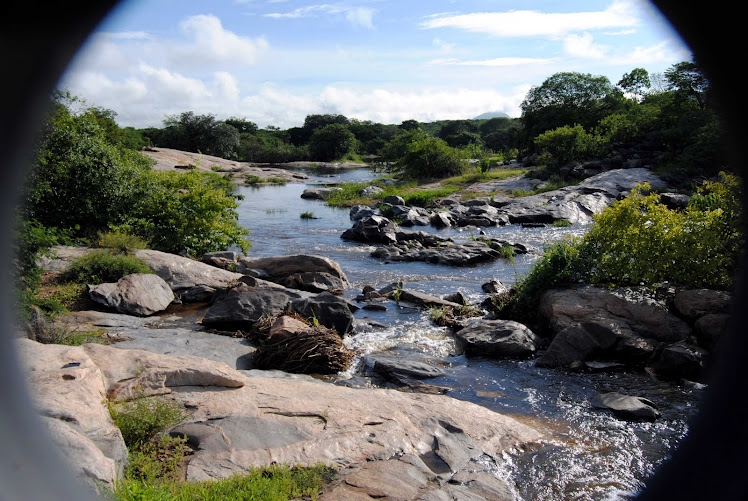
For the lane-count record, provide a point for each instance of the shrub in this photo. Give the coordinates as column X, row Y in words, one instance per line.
column 121, row 242
column 101, row 266
column 564, row 144
column 142, row 419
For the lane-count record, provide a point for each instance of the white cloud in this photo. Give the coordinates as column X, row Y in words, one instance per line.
column 444, row 47
column 583, row 46
column 211, row 43
column 226, row 86
column 656, row 54
column 498, row 62
column 357, row 16
column 523, row 23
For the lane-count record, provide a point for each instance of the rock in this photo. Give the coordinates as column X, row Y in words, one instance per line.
column 192, row 281
column 286, row 326
column 59, row 257
column 694, row 303
column 674, row 200
column 446, row 253
column 577, row 343
column 279, row 268
column 427, row 300
column 627, row 407
column 497, row 338
column 372, row 229
column 642, row 316
column 681, row 361
column 370, row 191
column 68, row 391
column 442, row 220
column 361, row 211
column 710, row 328
column 315, row 282
column 330, row 311
column 243, row 306
column 137, row 294
column 458, row 298
column 393, row 200
column 399, row 370
column 318, row 193
column 493, row 286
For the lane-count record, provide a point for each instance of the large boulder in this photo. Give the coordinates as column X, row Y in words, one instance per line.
column 695, row 303
column 681, row 361
column 372, row 229
column 497, row 338
column 326, row 309
column 577, row 343
column 638, row 314
column 139, row 294
column 243, row 306
column 191, row 281
column 281, row 267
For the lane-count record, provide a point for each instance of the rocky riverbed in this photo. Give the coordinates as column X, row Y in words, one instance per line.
column 197, row 342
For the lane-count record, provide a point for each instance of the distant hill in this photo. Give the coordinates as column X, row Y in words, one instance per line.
column 491, row 114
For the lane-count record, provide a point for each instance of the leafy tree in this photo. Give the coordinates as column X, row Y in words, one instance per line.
column 635, row 82
column 199, row 134
column 564, row 144
column 242, row 125
column 566, row 99
column 421, row 156
column 410, row 125
column 689, row 83
column 331, row 142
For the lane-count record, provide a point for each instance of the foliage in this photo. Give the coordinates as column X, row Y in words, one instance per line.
column 636, row 82
column 271, row 483
column 639, row 240
column 192, row 212
column 307, row 215
column 688, row 82
column 331, row 142
column 419, row 156
column 157, row 460
column 102, row 266
column 121, row 242
column 564, row 144
column 140, row 420
column 78, row 338
column 199, row 134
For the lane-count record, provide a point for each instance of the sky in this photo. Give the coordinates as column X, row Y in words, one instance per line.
column 274, row 62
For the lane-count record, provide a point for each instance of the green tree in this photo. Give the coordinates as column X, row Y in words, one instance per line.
column 199, row 134
column 421, row 156
column 636, row 82
column 331, row 142
column 689, row 83
column 566, row 99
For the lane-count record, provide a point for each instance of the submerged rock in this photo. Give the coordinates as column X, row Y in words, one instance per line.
column 627, row 407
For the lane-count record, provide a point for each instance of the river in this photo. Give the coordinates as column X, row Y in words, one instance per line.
column 589, row 454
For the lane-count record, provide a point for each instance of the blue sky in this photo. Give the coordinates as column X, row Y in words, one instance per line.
column 276, row 61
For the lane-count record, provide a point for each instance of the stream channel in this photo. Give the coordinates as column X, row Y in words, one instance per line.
column 589, row 454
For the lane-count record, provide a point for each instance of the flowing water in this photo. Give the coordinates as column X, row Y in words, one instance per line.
column 588, row 455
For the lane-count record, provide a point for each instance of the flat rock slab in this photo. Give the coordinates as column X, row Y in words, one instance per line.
column 627, row 407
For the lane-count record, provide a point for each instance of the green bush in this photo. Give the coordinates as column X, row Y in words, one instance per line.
column 192, row 212
column 121, row 242
column 564, row 144
column 430, row 158
column 142, row 419
column 102, row 266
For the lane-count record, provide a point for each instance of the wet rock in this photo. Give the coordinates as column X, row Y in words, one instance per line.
column 315, row 282
column 393, row 200
column 681, row 361
column 422, row 299
column 330, row 311
column 363, row 211
column 627, row 407
column 442, row 220
column 577, row 343
column 279, row 268
column 139, row 294
column 458, row 298
column 497, row 338
column 318, row 193
column 398, row 370
column 642, row 316
column 710, row 328
column 446, row 253
column 243, row 306
column 674, row 200
column 192, row 281
column 372, row 229
column 493, row 286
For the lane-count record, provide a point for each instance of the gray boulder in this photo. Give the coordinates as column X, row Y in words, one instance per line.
column 497, row 338
column 402, row 370
column 635, row 313
column 627, row 407
column 139, row 294
column 315, row 282
column 318, row 193
column 330, row 311
column 192, row 281
column 372, row 229
column 577, row 343
column 694, row 303
column 243, row 306
column 280, row 267
column 681, row 361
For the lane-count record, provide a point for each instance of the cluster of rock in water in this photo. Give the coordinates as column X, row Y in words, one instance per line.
column 388, row 443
